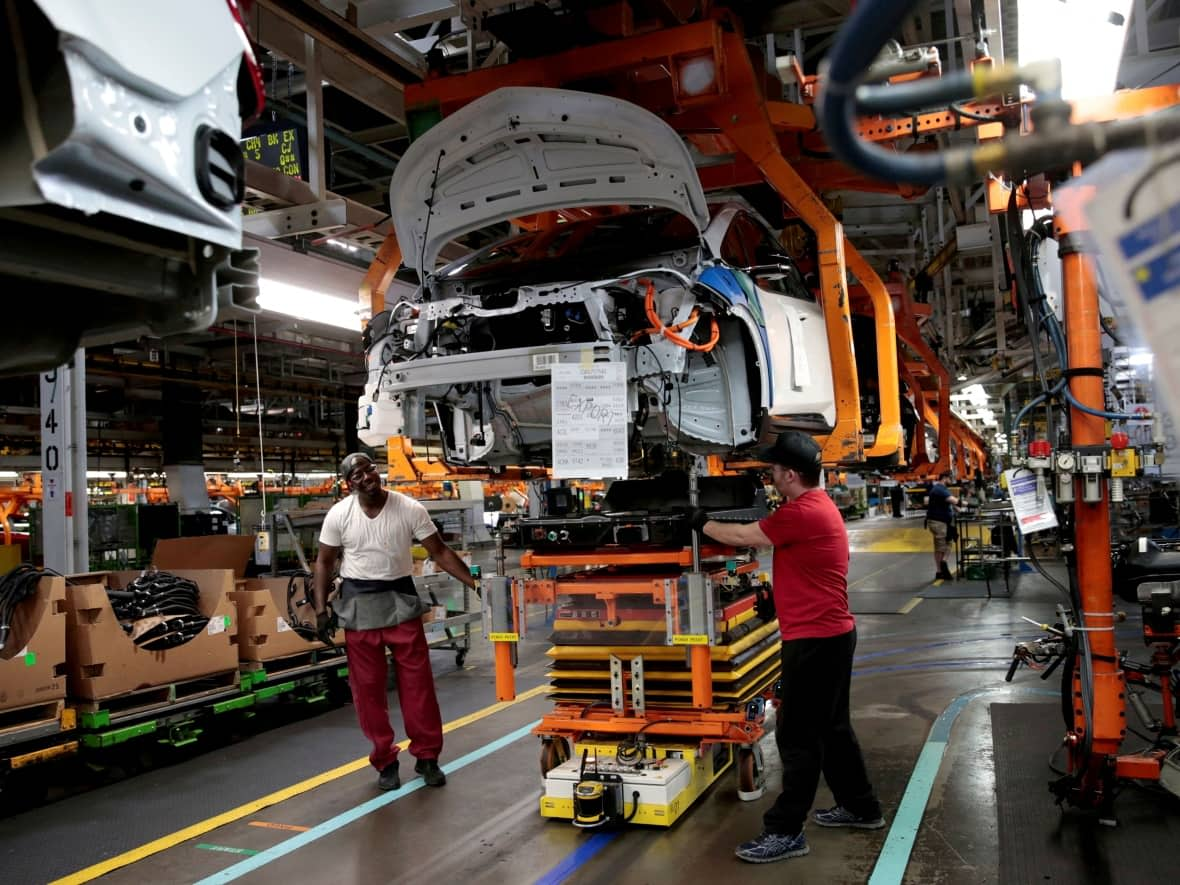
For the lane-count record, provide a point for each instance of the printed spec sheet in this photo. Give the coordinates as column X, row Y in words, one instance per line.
column 589, row 420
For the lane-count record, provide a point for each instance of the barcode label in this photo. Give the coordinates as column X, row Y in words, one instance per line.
column 543, row 361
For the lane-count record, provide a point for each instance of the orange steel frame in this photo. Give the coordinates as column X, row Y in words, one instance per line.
column 733, row 118
column 1096, row 769
column 571, row 721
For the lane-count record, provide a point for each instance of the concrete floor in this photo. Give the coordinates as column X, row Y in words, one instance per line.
column 485, row 827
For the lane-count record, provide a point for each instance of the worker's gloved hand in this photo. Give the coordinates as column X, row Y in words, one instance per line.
column 697, row 517
column 325, row 624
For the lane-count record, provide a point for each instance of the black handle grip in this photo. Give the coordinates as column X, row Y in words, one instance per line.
column 1012, row 669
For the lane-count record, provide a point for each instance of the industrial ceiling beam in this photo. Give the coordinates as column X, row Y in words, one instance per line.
column 374, row 76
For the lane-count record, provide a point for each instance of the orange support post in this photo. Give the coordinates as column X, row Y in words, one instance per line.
column 505, row 673
column 7, row 508
column 1083, row 330
column 379, row 275
column 744, row 120
column 701, row 664
column 889, row 438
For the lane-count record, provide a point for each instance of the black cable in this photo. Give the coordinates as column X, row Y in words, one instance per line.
column 1148, row 173
column 429, row 215
column 1162, row 73
column 170, row 598
column 15, row 587
column 666, row 398
column 957, row 108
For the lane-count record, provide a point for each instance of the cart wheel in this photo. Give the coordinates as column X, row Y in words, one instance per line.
column 751, row 773
column 460, row 657
column 554, row 751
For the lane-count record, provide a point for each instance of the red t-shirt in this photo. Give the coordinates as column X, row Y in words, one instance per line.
column 810, row 567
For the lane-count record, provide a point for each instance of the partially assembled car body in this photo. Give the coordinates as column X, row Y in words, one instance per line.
column 722, row 340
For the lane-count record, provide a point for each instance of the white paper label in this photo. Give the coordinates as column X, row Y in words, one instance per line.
column 1031, row 515
column 543, row 361
column 1134, row 219
column 589, row 404
column 281, row 625
column 216, row 625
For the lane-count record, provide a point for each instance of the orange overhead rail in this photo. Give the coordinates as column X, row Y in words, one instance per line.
column 733, row 113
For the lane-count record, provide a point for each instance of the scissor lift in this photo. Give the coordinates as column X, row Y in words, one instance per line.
column 661, row 675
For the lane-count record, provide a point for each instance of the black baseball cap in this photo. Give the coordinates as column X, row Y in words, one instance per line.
column 793, row 449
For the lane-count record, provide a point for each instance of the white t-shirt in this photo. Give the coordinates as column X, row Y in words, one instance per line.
column 377, row 548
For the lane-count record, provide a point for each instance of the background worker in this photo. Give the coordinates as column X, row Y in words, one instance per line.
column 939, row 519
column 814, row 730
column 379, row 608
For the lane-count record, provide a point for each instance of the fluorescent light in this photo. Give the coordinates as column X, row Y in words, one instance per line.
column 1086, row 35
column 106, row 474
column 1140, row 358
column 306, row 304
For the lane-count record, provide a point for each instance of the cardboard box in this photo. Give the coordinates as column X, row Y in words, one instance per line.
column 103, row 662
column 263, row 631
column 209, row 551
column 33, row 662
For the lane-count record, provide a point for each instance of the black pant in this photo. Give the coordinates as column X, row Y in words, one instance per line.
column 814, row 733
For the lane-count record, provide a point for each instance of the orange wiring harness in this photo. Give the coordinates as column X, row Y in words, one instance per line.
column 669, row 332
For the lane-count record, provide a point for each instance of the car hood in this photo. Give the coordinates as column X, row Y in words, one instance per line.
column 518, row 151
column 170, row 55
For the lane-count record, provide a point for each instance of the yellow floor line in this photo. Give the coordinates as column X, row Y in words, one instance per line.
column 877, row 572
column 936, row 583
column 910, row 606
column 227, row 817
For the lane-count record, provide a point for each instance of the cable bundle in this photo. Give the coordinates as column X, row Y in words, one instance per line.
column 15, row 587
column 159, row 610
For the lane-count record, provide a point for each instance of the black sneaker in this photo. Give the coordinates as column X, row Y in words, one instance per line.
column 770, row 847
column 842, row 817
column 432, row 775
column 390, row 778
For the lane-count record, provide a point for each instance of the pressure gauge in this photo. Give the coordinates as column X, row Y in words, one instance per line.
column 1066, row 462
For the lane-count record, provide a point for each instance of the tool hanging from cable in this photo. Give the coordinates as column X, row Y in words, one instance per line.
column 299, row 587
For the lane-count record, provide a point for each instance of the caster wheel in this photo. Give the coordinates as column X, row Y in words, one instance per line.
column 554, row 751
column 751, row 773
column 460, row 657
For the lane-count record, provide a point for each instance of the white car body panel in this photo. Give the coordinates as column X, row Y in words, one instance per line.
column 519, row 151
column 142, row 83
column 802, row 371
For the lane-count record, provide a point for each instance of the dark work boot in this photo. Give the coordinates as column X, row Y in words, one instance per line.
column 432, row 775
column 945, row 574
column 390, row 778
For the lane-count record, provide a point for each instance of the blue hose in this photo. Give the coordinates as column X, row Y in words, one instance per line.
column 859, row 41
column 928, row 93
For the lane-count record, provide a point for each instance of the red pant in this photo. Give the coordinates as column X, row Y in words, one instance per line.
column 367, row 672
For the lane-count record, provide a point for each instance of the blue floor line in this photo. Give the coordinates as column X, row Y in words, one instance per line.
column 353, row 814
column 903, row 832
column 580, row 855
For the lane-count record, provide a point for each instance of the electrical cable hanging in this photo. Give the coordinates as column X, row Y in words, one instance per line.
column 258, row 404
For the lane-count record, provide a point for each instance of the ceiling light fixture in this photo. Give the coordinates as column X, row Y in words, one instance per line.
column 306, row 304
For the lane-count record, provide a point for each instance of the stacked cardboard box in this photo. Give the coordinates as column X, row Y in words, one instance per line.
column 33, row 662
column 103, row 662
column 264, row 633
